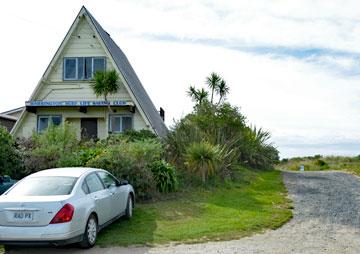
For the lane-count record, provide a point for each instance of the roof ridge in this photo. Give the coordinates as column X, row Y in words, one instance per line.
column 131, row 79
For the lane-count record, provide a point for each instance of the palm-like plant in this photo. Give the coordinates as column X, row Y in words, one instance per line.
column 202, row 158
column 192, row 93
column 222, row 89
column 213, row 82
column 202, row 95
column 105, row 83
column 197, row 95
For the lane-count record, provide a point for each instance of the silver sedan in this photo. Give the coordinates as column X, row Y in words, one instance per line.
column 63, row 206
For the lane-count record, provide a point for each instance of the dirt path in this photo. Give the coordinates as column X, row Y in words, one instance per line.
column 326, row 220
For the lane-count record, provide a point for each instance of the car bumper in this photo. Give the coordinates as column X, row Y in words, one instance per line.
column 57, row 234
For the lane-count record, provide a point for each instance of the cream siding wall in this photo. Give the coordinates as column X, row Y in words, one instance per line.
column 28, row 126
column 73, row 116
column 56, row 89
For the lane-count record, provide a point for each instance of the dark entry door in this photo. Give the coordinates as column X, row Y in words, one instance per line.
column 89, row 128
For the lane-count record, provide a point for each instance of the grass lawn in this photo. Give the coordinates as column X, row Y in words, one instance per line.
column 347, row 164
column 237, row 209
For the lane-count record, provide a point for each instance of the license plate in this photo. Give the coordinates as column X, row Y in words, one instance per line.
column 23, row 216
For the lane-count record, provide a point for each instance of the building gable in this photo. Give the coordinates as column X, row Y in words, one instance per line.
column 83, row 42
column 86, row 38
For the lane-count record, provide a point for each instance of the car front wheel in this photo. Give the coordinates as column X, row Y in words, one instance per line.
column 129, row 208
column 90, row 233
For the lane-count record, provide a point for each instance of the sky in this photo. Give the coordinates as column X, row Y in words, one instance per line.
column 293, row 67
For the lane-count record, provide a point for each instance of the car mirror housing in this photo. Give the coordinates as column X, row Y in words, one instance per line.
column 124, row 182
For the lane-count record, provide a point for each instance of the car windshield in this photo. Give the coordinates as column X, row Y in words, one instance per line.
column 44, row 186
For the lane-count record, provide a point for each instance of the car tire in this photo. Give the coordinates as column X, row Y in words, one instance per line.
column 90, row 234
column 129, row 208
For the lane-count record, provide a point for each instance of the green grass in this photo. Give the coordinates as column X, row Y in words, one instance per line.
column 254, row 203
column 315, row 163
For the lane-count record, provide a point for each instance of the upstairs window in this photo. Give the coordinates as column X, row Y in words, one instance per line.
column 44, row 122
column 82, row 68
column 120, row 123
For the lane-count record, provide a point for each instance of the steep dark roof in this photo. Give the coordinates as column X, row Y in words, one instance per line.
column 131, row 79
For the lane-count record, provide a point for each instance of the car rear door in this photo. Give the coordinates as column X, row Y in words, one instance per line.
column 101, row 196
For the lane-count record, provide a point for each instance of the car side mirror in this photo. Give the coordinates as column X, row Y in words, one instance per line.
column 1, row 179
column 124, row 182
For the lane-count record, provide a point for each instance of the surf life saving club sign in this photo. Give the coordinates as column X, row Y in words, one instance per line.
column 76, row 103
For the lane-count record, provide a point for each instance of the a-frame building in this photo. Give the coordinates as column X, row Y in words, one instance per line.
column 64, row 92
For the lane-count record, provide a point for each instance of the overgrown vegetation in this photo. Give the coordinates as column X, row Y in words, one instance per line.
column 215, row 137
column 319, row 162
column 130, row 155
column 132, row 161
column 9, row 156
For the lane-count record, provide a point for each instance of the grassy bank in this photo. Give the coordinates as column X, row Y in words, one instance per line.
column 255, row 202
column 315, row 163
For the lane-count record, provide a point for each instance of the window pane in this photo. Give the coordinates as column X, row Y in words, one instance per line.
column 126, row 123
column 99, row 64
column 42, row 123
column 94, row 183
column 115, row 122
column 56, row 120
column 85, row 188
column 70, row 68
column 44, row 186
column 80, row 68
column 107, row 179
column 88, row 68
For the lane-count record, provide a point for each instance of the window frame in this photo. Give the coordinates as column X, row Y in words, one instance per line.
column 84, row 184
column 92, row 64
column 76, row 68
column 48, row 117
column 96, row 176
column 121, row 125
column 84, row 64
column 111, row 176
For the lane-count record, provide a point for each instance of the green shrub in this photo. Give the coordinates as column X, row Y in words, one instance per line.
column 164, row 175
column 221, row 125
column 320, row 163
column 55, row 147
column 130, row 161
column 9, row 156
column 201, row 158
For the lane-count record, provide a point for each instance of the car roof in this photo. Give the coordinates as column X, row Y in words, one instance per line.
column 73, row 172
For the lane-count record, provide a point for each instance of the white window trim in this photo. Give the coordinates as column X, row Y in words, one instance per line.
column 77, row 66
column 119, row 115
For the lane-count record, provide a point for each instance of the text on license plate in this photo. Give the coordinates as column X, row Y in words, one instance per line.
column 23, row 216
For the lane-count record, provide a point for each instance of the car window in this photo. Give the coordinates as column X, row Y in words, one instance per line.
column 44, row 186
column 94, row 183
column 107, row 179
column 85, row 188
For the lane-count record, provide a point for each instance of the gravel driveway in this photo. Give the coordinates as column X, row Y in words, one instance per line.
column 326, row 220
